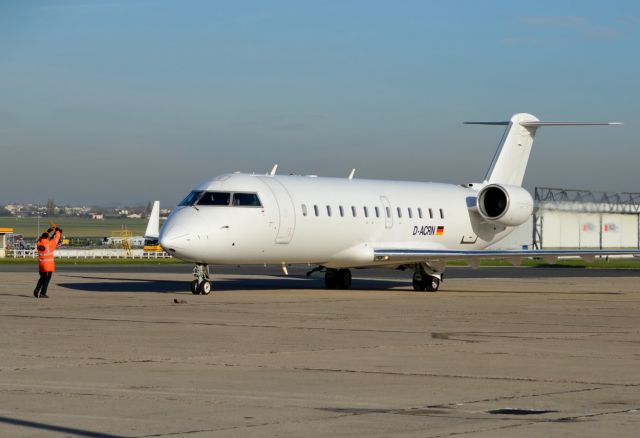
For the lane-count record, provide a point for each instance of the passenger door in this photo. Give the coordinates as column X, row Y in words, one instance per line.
column 287, row 217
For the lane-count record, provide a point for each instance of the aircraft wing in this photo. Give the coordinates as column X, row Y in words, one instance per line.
column 401, row 256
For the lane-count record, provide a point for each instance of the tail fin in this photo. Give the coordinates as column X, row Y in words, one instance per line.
column 153, row 226
column 510, row 160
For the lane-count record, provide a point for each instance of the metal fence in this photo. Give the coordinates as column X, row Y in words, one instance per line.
column 111, row 253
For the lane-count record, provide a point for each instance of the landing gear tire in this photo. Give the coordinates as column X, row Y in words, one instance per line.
column 204, row 288
column 344, row 275
column 202, row 283
column 432, row 284
column 331, row 279
column 337, row 279
column 427, row 283
column 418, row 284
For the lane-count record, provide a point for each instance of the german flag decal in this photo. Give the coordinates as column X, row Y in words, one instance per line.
column 440, row 231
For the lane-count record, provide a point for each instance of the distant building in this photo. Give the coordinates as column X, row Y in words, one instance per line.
column 97, row 216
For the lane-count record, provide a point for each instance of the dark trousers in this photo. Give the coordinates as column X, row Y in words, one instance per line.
column 43, row 283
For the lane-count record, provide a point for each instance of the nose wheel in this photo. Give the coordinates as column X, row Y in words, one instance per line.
column 202, row 284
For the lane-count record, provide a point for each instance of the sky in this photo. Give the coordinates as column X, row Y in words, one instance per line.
column 106, row 102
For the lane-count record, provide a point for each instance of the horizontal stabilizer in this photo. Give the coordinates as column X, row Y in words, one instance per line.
column 542, row 123
column 488, row 123
column 538, row 123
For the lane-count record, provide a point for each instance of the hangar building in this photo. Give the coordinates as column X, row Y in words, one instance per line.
column 584, row 219
column 575, row 219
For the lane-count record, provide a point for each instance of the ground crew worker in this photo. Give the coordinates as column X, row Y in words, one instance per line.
column 46, row 246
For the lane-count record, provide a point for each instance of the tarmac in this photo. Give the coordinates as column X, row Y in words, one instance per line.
column 112, row 354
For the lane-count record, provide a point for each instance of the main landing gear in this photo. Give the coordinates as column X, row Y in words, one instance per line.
column 337, row 278
column 334, row 278
column 202, row 284
column 424, row 280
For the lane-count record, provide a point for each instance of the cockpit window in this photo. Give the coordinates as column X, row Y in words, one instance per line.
column 215, row 198
column 191, row 198
column 246, row 200
column 199, row 197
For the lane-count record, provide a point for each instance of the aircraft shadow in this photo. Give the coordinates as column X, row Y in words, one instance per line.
column 170, row 286
column 57, row 429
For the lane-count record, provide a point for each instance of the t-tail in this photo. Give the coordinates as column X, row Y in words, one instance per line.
column 510, row 160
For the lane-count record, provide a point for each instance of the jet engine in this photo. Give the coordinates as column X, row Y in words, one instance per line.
column 505, row 205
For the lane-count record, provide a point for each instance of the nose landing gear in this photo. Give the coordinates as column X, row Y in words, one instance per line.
column 202, row 284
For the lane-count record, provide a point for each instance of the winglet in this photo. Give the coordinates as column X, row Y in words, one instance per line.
column 153, row 226
column 273, row 170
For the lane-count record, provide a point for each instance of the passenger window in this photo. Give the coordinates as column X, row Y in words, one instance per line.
column 329, row 210
column 191, row 198
column 441, row 214
column 430, row 214
column 246, row 200
column 304, row 210
column 316, row 210
column 419, row 212
column 410, row 213
column 353, row 211
column 377, row 211
column 215, row 198
column 366, row 211
column 399, row 213
column 388, row 210
column 341, row 211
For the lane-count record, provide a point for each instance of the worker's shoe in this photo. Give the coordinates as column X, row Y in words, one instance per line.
column 44, row 296
column 36, row 293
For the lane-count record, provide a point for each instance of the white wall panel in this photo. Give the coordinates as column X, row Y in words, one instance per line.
column 589, row 230
column 611, row 230
column 629, row 235
column 561, row 229
column 550, row 229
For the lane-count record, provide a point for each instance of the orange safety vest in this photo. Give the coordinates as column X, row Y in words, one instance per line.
column 46, row 248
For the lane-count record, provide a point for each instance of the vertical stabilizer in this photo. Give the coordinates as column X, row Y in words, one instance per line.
column 511, row 158
column 153, row 226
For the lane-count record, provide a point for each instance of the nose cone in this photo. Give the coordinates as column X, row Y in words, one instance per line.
column 174, row 237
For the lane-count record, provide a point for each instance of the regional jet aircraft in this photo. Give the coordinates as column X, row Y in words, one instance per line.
column 335, row 224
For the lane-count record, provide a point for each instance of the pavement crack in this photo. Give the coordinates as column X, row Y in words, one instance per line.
column 463, row 376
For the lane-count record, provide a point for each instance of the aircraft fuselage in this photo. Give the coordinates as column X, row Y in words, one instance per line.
column 333, row 222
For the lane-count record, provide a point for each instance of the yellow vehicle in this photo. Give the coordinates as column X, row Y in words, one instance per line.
column 152, row 245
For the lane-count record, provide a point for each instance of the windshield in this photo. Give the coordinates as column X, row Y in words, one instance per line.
column 215, row 198
column 191, row 198
column 246, row 200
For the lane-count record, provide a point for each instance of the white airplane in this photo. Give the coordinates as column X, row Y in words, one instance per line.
column 336, row 224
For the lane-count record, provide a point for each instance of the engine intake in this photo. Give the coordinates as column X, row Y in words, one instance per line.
column 505, row 205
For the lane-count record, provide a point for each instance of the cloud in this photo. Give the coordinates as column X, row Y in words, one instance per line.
column 603, row 33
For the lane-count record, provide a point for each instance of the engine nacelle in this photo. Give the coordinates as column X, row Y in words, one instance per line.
column 505, row 205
